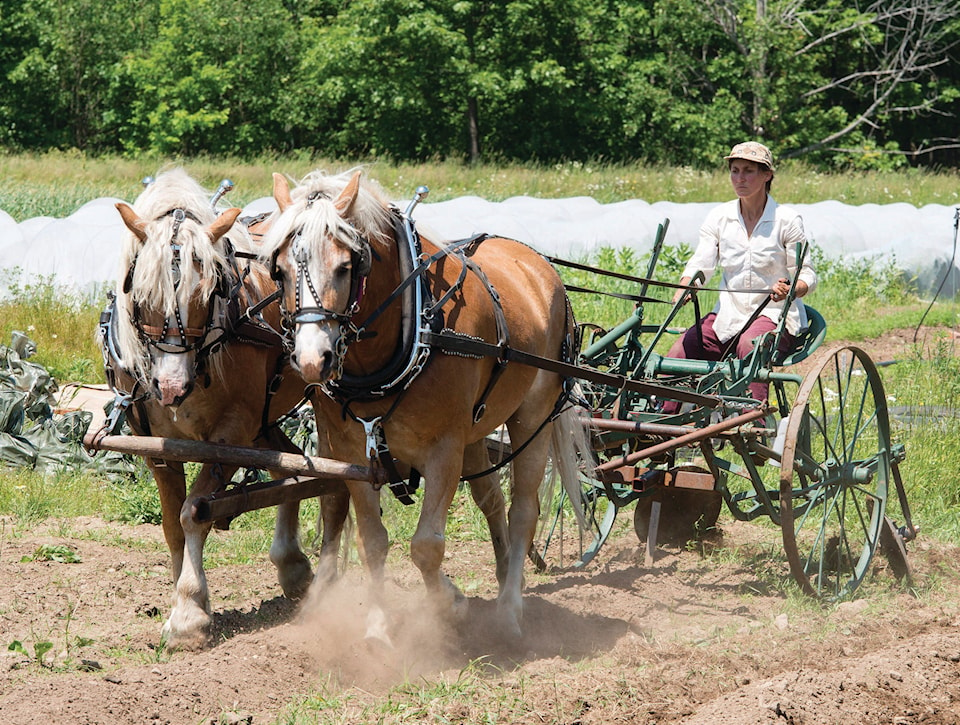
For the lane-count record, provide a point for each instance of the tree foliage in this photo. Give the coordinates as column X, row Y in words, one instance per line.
column 862, row 84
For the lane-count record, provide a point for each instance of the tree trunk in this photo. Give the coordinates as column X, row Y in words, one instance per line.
column 474, row 130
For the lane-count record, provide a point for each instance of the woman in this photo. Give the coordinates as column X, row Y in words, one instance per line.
column 754, row 241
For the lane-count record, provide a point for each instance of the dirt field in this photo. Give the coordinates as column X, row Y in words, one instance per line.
column 689, row 640
column 705, row 637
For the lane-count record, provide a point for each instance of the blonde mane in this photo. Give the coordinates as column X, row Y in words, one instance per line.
column 313, row 211
column 146, row 276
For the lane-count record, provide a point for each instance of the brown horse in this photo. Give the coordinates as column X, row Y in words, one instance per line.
column 367, row 326
column 194, row 367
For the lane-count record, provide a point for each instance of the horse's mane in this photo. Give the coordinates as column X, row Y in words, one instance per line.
column 146, row 267
column 313, row 211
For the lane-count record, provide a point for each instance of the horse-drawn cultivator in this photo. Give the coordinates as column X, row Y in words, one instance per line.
column 415, row 356
column 818, row 461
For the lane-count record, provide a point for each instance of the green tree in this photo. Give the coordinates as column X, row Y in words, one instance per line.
column 210, row 79
column 833, row 76
column 60, row 62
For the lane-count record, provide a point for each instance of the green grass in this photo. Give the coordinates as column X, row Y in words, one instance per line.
column 58, row 183
column 62, row 325
column 462, row 696
column 31, row 497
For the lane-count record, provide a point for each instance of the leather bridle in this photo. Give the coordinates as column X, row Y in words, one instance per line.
column 191, row 339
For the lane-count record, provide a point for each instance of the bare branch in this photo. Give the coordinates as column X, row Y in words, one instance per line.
column 922, row 151
column 877, row 74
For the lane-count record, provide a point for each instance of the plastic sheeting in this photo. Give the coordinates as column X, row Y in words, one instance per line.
column 32, row 433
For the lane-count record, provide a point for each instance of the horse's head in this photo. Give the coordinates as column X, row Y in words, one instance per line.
column 319, row 250
column 176, row 277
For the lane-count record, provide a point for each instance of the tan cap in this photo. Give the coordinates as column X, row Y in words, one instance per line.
column 752, row 151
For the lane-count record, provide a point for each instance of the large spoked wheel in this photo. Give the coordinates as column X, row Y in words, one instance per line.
column 835, row 473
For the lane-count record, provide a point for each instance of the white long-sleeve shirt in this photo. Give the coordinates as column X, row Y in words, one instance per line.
column 754, row 262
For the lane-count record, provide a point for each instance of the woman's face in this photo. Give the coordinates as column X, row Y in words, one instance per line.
column 748, row 177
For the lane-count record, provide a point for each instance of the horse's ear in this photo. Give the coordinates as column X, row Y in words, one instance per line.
column 134, row 223
column 344, row 202
column 223, row 223
column 281, row 192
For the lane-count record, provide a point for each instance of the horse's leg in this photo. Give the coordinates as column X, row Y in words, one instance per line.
column 293, row 566
column 189, row 621
column 488, row 495
column 334, row 513
column 528, row 470
column 172, row 488
column 441, row 475
column 373, row 544
column 334, row 510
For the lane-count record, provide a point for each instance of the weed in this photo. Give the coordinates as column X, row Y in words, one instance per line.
column 40, row 650
column 59, row 553
column 157, row 653
column 136, row 500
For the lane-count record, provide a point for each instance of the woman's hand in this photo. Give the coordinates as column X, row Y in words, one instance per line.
column 678, row 294
column 782, row 287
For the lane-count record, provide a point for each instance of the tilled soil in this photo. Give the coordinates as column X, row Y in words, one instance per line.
column 714, row 634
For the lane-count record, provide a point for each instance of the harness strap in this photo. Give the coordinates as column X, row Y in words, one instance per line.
column 618, row 295
column 399, row 487
column 424, row 265
column 249, row 326
column 379, row 452
column 503, row 339
column 159, row 333
column 562, row 400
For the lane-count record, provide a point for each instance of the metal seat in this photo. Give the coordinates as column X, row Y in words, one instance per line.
column 807, row 341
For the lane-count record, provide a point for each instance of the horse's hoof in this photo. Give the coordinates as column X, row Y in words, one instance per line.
column 510, row 617
column 326, row 574
column 448, row 602
column 295, row 576
column 377, row 635
column 459, row 608
column 378, row 644
column 188, row 627
column 511, row 628
column 184, row 640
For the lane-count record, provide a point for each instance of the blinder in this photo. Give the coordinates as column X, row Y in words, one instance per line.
column 276, row 274
column 363, row 261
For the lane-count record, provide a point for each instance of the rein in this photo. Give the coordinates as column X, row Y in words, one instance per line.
column 642, row 281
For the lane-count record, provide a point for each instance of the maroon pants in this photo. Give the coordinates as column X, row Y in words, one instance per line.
column 688, row 347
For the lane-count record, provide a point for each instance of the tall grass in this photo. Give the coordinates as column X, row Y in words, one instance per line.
column 63, row 325
column 923, row 390
column 57, row 183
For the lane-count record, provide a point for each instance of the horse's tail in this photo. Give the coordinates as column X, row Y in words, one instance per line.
column 573, row 459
